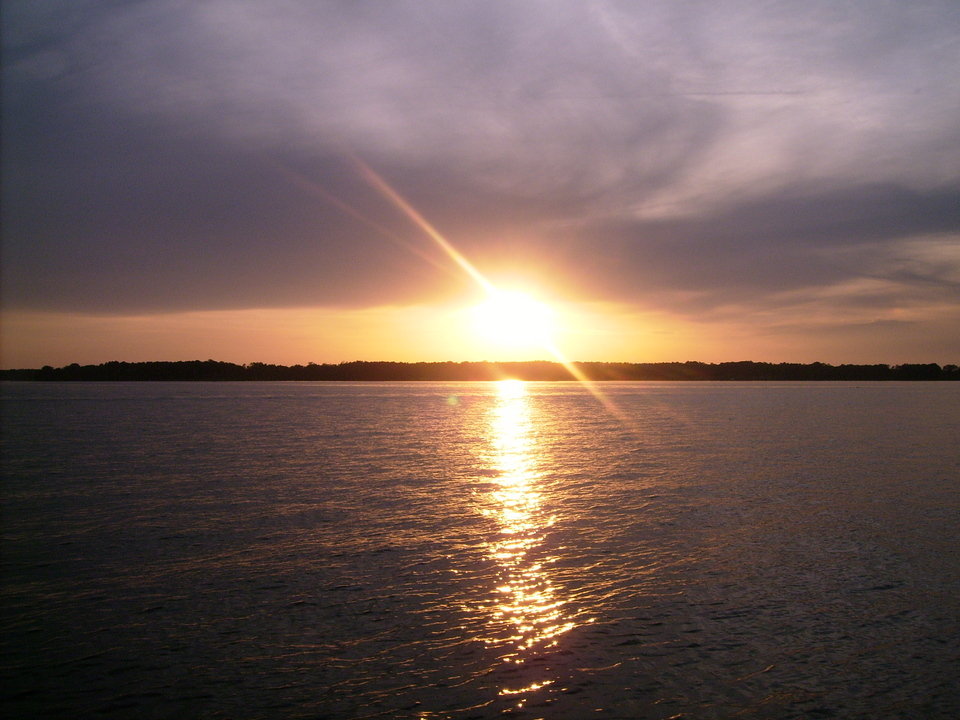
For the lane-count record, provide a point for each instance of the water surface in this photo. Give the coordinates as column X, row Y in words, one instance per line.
column 469, row 550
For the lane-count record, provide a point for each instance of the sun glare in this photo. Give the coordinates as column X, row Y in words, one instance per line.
column 511, row 388
column 513, row 319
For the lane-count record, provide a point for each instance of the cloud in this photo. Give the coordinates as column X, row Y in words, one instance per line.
column 694, row 157
column 774, row 252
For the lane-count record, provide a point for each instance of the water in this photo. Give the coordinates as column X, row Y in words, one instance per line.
column 472, row 550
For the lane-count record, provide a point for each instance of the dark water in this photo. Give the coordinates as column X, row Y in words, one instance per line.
column 475, row 550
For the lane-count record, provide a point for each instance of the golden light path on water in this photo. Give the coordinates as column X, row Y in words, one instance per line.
column 528, row 614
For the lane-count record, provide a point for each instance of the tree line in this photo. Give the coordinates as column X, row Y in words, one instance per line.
column 469, row 371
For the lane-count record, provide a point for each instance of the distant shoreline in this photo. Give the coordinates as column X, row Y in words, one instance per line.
column 212, row 370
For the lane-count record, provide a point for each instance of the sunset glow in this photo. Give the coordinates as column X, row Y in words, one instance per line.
column 668, row 184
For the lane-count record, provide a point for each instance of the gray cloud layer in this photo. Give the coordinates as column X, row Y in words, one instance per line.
column 690, row 156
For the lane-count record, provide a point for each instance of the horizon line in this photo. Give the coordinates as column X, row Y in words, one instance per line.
column 485, row 362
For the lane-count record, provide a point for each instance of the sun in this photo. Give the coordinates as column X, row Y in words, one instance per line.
column 514, row 320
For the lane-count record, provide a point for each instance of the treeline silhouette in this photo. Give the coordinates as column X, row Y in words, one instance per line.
column 466, row 371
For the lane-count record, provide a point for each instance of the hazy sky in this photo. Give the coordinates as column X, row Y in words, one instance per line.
column 685, row 180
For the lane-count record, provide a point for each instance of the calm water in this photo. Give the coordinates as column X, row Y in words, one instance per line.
column 471, row 550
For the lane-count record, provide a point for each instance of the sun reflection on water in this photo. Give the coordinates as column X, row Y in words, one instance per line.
column 528, row 616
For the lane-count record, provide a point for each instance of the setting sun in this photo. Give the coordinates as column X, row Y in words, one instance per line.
column 514, row 319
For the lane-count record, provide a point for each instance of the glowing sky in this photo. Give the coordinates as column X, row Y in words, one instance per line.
column 774, row 181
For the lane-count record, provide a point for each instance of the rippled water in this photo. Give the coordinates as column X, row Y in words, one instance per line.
column 472, row 550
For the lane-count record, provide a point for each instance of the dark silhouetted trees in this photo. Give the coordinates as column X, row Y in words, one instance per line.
column 467, row 371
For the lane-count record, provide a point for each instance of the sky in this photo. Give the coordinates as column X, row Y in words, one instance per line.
column 678, row 180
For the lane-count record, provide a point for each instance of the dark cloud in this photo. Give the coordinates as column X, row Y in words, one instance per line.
column 164, row 155
column 148, row 220
column 774, row 243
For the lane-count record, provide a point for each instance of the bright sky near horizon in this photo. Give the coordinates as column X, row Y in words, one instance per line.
column 294, row 182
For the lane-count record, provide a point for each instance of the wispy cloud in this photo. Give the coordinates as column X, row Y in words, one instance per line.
column 686, row 156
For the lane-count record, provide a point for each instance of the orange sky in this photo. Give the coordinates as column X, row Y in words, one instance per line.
column 584, row 331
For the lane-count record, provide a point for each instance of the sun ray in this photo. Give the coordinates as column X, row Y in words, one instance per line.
column 592, row 388
column 384, row 188
column 411, row 212
column 311, row 187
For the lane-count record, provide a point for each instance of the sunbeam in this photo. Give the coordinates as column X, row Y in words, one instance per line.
column 494, row 293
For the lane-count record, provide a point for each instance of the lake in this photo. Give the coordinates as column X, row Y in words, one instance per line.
column 481, row 550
